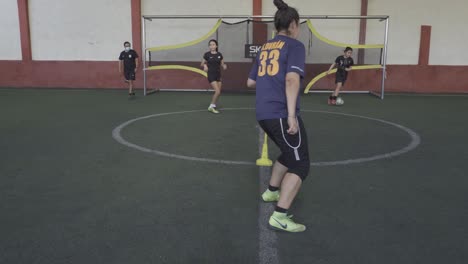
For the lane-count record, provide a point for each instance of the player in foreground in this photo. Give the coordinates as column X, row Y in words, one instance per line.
column 277, row 74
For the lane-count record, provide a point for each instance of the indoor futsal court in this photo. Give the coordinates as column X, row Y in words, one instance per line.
column 115, row 147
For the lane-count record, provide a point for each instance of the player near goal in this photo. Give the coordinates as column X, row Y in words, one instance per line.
column 277, row 74
column 129, row 60
column 212, row 63
column 343, row 64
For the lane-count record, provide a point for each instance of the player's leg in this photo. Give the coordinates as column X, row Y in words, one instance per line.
column 336, row 92
column 339, row 81
column 215, row 82
column 220, row 85
column 339, row 85
column 298, row 164
column 212, row 107
column 289, row 188
column 272, row 194
column 292, row 168
column 217, row 88
column 331, row 98
column 130, row 81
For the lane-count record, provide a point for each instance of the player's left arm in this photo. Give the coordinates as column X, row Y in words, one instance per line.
column 350, row 66
column 294, row 74
column 223, row 65
column 137, row 62
column 331, row 67
column 252, row 80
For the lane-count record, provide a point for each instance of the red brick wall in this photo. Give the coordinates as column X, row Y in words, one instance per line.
column 102, row 74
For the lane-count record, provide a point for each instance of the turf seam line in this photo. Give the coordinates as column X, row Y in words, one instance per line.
column 267, row 248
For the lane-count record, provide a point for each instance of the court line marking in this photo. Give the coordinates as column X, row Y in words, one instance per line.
column 415, row 141
column 116, row 134
column 426, row 95
column 267, row 239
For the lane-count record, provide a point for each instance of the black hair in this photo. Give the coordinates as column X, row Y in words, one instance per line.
column 126, row 42
column 348, row 49
column 285, row 15
column 216, row 42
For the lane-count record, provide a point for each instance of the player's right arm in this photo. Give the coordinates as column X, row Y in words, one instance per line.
column 336, row 63
column 331, row 67
column 252, row 80
column 120, row 62
column 251, row 83
column 203, row 63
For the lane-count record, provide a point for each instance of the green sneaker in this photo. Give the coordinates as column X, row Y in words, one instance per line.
column 269, row 196
column 283, row 222
column 213, row 110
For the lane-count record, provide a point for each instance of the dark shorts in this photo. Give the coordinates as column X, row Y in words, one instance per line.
column 214, row 77
column 129, row 75
column 294, row 148
column 341, row 77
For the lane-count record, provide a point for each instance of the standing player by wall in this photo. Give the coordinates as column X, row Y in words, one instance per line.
column 277, row 74
column 129, row 60
column 343, row 64
column 212, row 62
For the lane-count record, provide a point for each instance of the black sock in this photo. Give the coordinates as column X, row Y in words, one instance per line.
column 281, row 210
column 331, row 97
column 272, row 188
column 334, row 97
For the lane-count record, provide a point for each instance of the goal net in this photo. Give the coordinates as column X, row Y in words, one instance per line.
column 174, row 47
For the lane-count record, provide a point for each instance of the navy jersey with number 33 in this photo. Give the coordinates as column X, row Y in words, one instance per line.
column 276, row 58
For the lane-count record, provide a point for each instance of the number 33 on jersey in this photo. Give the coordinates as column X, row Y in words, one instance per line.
column 281, row 55
column 269, row 57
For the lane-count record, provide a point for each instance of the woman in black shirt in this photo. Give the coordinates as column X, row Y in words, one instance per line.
column 212, row 63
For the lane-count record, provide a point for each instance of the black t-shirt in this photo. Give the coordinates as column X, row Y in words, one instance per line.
column 342, row 63
column 213, row 61
column 129, row 59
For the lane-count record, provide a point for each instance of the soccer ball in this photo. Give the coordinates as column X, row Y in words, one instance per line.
column 339, row 101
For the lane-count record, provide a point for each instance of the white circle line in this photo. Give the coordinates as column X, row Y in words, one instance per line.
column 415, row 141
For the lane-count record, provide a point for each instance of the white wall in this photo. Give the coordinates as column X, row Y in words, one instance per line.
column 79, row 30
column 449, row 36
column 96, row 29
column 404, row 28
column 447, row 18
column 170, row 31
column 346, row 31
column 339, row 30
column 10, row 44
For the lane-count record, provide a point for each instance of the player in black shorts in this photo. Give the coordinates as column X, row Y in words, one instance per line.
column 212, row 62
column 276, row 75
column 343, row 64
column 129, row 59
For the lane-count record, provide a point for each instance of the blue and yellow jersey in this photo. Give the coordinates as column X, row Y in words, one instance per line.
column 276, row 58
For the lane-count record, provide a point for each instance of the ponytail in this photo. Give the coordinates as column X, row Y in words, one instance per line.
column 285, row 15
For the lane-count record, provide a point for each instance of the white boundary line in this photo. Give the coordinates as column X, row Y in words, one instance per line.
column 415, row 141
column 267, row 239
column 427, row 95
column 116, row 134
